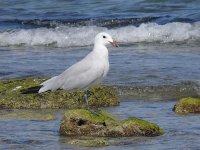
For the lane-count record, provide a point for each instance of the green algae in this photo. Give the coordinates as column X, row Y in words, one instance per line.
column 187, row 105
column 24, row 115
column 89, row 142
column 143, row 126
column 83, row 122
column 102, row 94
column 12, row 96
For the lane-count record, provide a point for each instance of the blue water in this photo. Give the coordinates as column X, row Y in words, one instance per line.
column 164, row 10
column 181, row 132
column 159, row 48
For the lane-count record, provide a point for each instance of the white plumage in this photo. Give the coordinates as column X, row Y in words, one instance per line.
column 86, row 72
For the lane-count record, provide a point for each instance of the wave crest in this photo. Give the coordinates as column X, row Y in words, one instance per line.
column 64, row 36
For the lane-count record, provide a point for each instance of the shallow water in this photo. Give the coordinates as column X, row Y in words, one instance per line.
column 134, row 65
column 181, row 132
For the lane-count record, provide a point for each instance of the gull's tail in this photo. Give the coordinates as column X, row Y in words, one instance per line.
column 30, row 90
column 50, row 85
column 43, row 89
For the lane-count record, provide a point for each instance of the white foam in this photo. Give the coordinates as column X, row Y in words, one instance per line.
column 152, row 32
column 64, row 36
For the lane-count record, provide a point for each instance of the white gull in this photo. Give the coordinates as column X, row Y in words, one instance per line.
column 90, row 70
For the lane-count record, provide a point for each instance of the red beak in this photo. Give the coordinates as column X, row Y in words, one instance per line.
column 114, row 43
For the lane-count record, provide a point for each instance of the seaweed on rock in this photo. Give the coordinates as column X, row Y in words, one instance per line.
column 13, row 95
column 81, row 122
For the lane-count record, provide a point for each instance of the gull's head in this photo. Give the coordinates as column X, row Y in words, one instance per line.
column 105, row 39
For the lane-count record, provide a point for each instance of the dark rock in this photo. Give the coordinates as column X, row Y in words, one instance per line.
column 82, row 122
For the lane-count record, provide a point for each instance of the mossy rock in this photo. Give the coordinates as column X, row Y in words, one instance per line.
column 187, row 105
column 24, row 115
column 12, row 96
column 81, row 122
column 95, row 142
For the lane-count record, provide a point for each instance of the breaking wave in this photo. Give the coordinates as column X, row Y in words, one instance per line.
column 68, row 36
column 101, row 22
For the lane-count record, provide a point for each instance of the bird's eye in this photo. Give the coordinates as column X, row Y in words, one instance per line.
column 104, row 36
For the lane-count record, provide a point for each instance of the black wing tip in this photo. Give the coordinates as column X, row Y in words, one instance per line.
column 31, row 90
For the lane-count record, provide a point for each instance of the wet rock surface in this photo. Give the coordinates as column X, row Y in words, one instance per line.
column 22, row 93
column 187, row 105
column 27, row 115
column 81, row 122
column 95, row 142
column 158, row 92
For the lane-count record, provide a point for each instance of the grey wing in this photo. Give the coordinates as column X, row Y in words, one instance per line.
column 60, row 81
column 78, row 76
column 81, row 75
column 57, row 82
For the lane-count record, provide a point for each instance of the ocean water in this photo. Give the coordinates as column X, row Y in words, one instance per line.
column 159, row 53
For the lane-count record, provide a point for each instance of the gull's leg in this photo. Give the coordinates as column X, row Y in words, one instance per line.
column 86, row 98
column 96, row 112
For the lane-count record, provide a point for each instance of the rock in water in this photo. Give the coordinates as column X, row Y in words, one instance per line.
column 26, row 115
column 81, row 122
column 187, row 105
column 89, row 142
column 22, row 93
